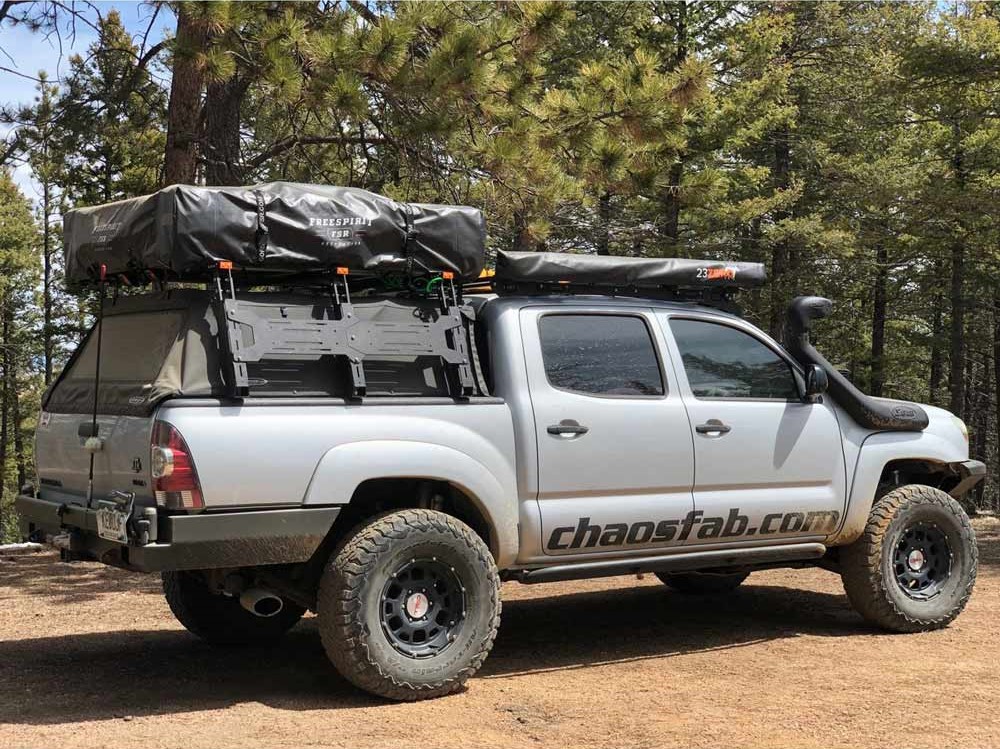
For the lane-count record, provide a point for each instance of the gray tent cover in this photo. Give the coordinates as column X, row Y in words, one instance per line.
column 597, row 270
column 269, row 231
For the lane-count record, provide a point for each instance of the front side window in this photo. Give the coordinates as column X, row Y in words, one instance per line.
column 723, row 362
column 600, row 355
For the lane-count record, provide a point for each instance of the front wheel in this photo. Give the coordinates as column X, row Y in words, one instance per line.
column 914, row 567
column 409, row 606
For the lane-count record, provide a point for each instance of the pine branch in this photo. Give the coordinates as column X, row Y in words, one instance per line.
column 290, row 142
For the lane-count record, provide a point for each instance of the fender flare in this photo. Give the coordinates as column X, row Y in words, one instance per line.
column 877, row 451
column 343, row 468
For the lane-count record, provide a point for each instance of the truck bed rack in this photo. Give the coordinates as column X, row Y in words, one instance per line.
column 245, row 336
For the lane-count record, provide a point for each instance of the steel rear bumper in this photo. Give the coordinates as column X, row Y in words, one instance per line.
column 208, row 540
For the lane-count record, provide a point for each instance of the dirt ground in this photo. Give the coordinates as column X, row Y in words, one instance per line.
column 90, row 656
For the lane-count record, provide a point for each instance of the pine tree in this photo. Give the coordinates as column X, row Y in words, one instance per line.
column 111, row 115
column 40, row 136
column 18, row 266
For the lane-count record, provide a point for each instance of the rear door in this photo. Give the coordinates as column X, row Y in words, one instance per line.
column 615, row 456
column 768, row 465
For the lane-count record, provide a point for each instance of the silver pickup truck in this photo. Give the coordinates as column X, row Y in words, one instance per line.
column 606, row 435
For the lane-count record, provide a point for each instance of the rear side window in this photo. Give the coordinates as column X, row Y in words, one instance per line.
column 133, row 349
column 723, row 362
column 600, row 355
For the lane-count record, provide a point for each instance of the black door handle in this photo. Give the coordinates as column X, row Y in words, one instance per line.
column 567, row 429
column 713, row 426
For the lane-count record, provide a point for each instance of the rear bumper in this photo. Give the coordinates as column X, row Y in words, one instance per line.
column 214, row 540
column 970, row 473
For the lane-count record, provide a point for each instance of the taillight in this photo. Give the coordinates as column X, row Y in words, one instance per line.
column 175, row 479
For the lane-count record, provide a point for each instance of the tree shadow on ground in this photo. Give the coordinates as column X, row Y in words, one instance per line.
column 42, row 574
column 988, row 538
column 52, row 680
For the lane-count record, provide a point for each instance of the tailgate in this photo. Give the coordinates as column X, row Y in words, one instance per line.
column 64, row 465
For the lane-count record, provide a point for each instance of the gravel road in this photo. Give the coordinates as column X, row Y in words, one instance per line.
column 90, row 656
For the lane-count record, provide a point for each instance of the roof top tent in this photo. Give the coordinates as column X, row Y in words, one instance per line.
column 273, row 233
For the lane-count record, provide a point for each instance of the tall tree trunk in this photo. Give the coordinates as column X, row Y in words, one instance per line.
column 937, row 335
column 671, row 200
column 878, row 319
column 780, row 253
column 5, row 360
column 981, row 421
column 47, row 348
column 672, row 204
column 15, row 418
column 604, row 224
column 957, row 338
column 223, row 104
column 521, row 240
column 996, row 374
column 184, row 107
column 956, row 348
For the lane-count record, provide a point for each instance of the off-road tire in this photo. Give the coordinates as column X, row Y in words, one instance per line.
column 870, row 575
column 702, row 583
column 219, row 619
column 351, row 596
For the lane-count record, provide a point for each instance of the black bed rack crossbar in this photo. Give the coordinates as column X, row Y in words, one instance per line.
column 246, row 336
column 719, row 297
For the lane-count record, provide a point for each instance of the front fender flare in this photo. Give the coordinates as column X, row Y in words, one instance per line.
column 877, row 451
column 343, row 468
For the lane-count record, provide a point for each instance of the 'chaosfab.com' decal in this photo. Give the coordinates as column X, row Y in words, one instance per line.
column 587, row 535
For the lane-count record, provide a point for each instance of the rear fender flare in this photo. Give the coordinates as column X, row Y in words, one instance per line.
column 345, row 467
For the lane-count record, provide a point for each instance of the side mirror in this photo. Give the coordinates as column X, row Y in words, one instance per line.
column 816, row 381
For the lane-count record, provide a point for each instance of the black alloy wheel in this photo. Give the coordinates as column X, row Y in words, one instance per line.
column 422, row 608
column 922, row 560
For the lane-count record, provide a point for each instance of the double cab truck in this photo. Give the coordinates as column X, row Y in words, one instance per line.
column 388, row 462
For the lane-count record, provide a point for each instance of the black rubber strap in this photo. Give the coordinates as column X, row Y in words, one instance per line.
column 262, row 230
column 474, row 357
column 409, row 239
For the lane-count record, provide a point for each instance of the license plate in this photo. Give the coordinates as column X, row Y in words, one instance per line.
column 112, row 524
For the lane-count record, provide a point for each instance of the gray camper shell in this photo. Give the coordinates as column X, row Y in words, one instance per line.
column 166, row 344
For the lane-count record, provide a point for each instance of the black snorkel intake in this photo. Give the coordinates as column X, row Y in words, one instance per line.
column 872, row 413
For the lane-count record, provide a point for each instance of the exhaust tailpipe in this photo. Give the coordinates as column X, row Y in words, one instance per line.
column 261, row 602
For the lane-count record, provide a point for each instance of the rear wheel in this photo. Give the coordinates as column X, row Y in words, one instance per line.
column 220, row 619
column 703, row 582
column 914, row 567
column 409, row 606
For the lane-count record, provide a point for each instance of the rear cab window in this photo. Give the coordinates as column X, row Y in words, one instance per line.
column 603, row 355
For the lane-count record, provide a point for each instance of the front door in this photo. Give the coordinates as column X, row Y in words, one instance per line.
column 615, row 458
column 768, row 464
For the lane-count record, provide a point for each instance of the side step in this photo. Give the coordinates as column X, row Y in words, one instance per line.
column 693, row 560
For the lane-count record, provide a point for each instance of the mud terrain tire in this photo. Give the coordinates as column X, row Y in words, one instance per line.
column 914, row 567
column 409, row 606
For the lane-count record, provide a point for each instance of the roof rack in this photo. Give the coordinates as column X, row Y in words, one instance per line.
column 716, row 297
